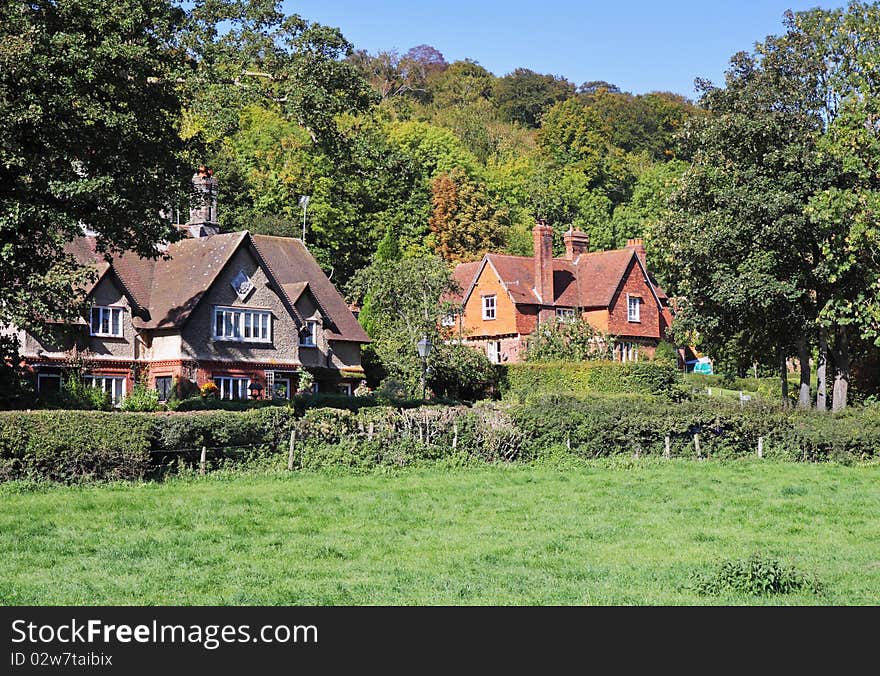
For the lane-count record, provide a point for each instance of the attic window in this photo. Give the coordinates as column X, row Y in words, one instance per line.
column 250, row 326
column 489, row 307
column 106, row 321
column 308, row 336
column 633, row 308
column 242, row 285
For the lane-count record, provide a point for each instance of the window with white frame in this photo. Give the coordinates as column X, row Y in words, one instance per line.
column 565, row 313
column 448, row 319
column 48, row 382
column 493, row 351
column 249, row 326
column 626, row 351
column 633, row 306
column 281, row 388
column 112, row 385
column 106, row 321
column 308, row 335
column 489, row 307
column 232, row 388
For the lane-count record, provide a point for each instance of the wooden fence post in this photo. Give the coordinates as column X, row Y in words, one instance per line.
column 667, row 451
column 290, row 450
column 697, row 445
column 370, row 431
column 455, row 435
column 760, row 447
column 203, row 461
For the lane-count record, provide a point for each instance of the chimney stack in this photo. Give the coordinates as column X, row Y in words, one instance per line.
column 203, row 213
column 576, row 243
column 543, row 238
column 638, row 244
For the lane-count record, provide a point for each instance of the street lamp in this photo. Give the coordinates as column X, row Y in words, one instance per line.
column 424, row 347
column 256, row 390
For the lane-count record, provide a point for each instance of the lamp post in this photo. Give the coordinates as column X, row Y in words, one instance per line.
column 256, row 390
column 424, row 347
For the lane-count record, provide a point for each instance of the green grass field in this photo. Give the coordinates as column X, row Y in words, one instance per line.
column 628, row 532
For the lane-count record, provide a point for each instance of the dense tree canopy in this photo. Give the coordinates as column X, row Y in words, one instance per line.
column 771, row 232
column 89, row 136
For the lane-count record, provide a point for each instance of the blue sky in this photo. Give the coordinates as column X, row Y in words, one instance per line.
column 639, row 45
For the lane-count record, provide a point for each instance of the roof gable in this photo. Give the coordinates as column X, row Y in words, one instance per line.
column 589, row 281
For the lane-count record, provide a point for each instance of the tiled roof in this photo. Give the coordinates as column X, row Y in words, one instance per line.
column 290, row 262
column 169, row 288
column 588, row 281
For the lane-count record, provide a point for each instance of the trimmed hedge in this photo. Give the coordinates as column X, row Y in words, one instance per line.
column 531, row 379
column 73, row 446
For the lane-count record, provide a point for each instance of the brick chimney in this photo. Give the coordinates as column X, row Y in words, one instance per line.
column 576, row 243
column 543, row 238
column 203, row 213
column 639, row 245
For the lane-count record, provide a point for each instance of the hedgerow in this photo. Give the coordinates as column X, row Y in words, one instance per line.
column 81, row 445
column 528, row 380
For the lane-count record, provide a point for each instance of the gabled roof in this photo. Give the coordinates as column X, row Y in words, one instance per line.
column 290, row 262
column 588, row 281
column 168, row 289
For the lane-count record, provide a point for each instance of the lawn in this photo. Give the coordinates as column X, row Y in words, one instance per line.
column 628, row 532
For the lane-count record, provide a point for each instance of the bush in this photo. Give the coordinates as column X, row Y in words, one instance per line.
column 361, row 432
column 521, row 381
column 142, row 398
column 73, row 446
column 757, row 576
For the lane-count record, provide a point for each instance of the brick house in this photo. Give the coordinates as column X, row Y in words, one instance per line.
column 234, row 308
column 505, row 297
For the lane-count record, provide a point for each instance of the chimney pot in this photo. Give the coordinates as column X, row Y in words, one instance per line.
column 576, row 243
column 638, row 245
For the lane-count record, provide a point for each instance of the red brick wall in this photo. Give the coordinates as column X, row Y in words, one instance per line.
column 618, row 324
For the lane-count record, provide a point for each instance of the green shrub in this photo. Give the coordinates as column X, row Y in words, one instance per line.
column 76, row 395
column 521, row 381
column 141, row 399
column 73, row 446
column 757, row 576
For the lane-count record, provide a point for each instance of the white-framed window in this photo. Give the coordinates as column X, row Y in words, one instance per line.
column 493, row 351
column 448, row 319
column 232, row 388
column 249, row 326
column 112, row 385
column 106, row 321
column 626, row 351
column 633, row 307
column 489, row 307
column 281, row 388
column 344, row 388
column 48, row 382
column 308, row 336
column 565, row 313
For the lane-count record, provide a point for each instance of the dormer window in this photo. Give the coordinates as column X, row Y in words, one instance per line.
column 106, row 321
column 308, row 335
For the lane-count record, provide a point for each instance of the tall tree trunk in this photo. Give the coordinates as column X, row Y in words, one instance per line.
column 841, row 369
column 803, row 347
column 822, row 371
column 783, row 376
